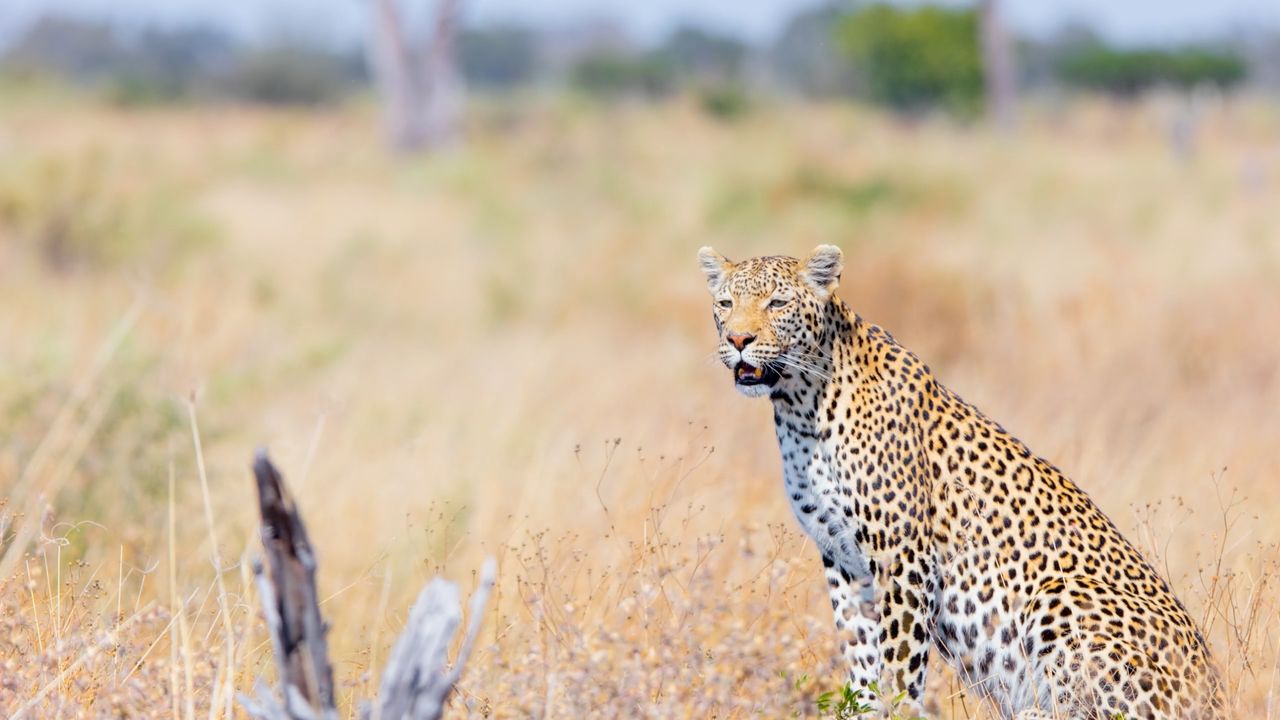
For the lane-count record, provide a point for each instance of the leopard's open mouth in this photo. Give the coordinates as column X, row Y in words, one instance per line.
column 745, row 374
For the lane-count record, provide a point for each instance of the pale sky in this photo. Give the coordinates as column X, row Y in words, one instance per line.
column 1127, row 21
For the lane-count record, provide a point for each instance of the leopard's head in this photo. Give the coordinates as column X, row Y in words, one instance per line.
column 769, row 312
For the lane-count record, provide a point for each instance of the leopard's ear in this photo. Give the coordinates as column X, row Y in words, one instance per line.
column 715, row 266
column 821, row 270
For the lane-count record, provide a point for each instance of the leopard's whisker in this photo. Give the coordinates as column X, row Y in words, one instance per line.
column 815, row 367
column 803, row 368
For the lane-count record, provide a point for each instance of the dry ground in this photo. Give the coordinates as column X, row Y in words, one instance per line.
column 506, row 350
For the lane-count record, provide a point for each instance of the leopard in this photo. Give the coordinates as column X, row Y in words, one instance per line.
column 939, row 530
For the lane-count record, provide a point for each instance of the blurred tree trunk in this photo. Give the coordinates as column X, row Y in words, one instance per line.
column 999, row 74
column 421, row 95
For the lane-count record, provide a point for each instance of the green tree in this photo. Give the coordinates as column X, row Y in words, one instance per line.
column 499, row 57
column 611, row 74
column 914, row 59
column 713, row 66
column 698, row 54
column 1127, row 73
column 806, row 57
column 286, row 74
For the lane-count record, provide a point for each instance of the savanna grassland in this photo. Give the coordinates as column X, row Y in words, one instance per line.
column 505, row 349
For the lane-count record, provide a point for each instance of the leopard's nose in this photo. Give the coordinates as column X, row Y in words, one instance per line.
column 740, row 340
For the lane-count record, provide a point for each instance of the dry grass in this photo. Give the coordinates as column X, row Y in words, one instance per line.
column 506, row 350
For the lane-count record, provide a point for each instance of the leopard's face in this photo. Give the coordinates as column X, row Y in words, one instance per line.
column 768, row 313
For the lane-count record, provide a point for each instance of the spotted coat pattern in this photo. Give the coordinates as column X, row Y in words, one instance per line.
column 940, row 530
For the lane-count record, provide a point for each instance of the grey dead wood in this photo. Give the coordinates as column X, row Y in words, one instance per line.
column 416, row 75
column 1000, row 75
column 418, row 678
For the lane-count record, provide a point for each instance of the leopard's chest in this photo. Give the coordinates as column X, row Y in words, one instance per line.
column 821, row 497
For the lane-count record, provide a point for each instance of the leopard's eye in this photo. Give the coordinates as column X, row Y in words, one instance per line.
column 778, row 302
column 726, row 303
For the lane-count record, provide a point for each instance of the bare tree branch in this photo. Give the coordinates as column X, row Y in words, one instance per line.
column 288, row 592
column 1000, row 76
column 416, row 683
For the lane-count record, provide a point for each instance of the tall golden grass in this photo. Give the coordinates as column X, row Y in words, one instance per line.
column 505, row 349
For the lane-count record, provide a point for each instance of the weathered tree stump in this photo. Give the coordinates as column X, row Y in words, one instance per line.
column 417, row 680
column 416, row 76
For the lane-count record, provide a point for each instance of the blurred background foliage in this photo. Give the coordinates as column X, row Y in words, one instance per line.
column 912, row 59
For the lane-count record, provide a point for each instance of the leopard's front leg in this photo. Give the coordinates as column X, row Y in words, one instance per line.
column 908, row 602
column 885, row 623
column 857, row 616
